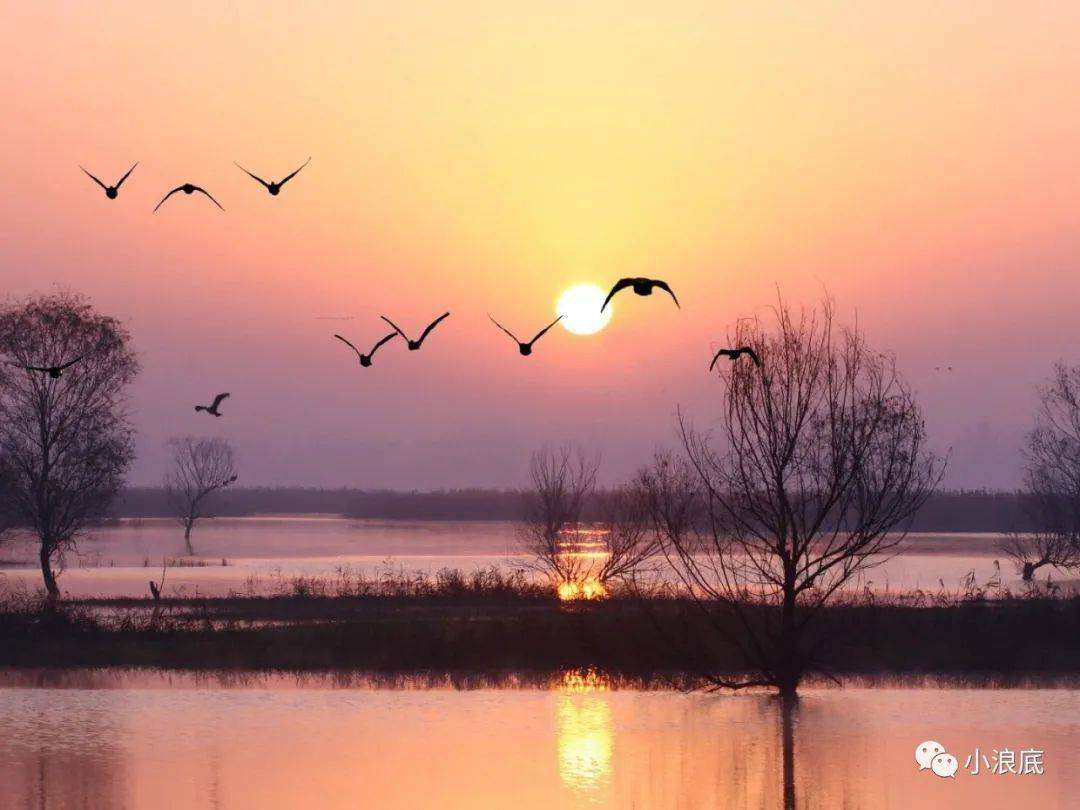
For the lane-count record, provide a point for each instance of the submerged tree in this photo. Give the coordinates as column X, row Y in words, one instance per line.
column 823, row 457
column 582, row 556
column 200, row 467
column 65, row 439
column 1052, row 480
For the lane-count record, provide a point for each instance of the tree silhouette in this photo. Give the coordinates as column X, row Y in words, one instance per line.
column 1052, row 480
column 65, row 441
column 571, row 549
column 821, row 458
column 200, row 467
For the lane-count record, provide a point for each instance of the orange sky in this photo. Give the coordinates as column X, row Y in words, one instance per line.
column 917, row 161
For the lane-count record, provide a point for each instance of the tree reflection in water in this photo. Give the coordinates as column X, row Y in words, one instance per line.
column 789, row 706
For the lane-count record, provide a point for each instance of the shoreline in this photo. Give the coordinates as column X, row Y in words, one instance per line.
column 488, row 635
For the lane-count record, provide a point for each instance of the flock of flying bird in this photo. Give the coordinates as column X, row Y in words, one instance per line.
column 641, row 286
column 112, row 192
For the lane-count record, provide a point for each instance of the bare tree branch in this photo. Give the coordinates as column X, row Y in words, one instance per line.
column 821, row 458
column 200, row 467
column 579, row 556
column 1052, row 480
column 65, row 440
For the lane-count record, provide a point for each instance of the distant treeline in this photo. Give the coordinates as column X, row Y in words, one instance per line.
column 961, row 511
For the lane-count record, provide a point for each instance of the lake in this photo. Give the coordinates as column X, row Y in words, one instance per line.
column 118, row 560
column 95, row 739
column 152, row 739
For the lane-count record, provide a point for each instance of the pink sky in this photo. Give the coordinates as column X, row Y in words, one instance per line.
column 916, row 161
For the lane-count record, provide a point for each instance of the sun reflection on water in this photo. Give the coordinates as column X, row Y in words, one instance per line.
column 585, row 732
column 582, row 553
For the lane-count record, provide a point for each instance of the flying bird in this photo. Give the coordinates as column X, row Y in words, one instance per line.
column 733, row 355
column 53, row 371
column 642, row 286
column 416, row 344
column 525, row 348
column 365, row 359
column 272, row 187
column 111, row 191
column 188, row 188
column 212, row 409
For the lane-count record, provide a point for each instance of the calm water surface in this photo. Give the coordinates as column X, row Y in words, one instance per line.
column 94, row 740
column 260, row 552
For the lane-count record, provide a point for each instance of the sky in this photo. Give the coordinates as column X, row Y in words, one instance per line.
column 916, row 161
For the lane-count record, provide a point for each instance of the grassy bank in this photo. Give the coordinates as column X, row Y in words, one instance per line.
column 529, row 631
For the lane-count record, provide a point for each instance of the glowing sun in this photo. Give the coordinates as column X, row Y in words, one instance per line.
column 580, row 309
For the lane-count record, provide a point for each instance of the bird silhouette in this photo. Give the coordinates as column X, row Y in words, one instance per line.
column 734, row 354
column 188, row 188
column 525, row 348
column 111, row 191
column 212, row 408
column 53, row 371
column 365, row 359
column 272, row 187
column 416, row 344
column 642, row 286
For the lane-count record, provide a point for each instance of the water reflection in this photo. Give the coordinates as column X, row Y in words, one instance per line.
column 262, row 552
column 585, row 732
column 66, row 762
column 273, row 743
column 787, row 707
column 585, row 743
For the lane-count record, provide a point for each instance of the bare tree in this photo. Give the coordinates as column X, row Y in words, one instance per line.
column 65, row 440
column 629, row 544
column 200, row 467
column 581, row 556
column 823, row 457
column 562, row 481
column 1052, row 480
column 7, row 520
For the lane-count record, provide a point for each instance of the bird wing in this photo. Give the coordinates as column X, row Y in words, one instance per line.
column 621, row 284
column 511, row 334
column 218, row 399
column 120, row 182
column 716, row 357
column 375, row 348
column 291, row 176
column 249, row 174
column 544, row 331
column 396, row 327
column 95, row 179
column 163, row 199
column 343, row 340
column 432, row 325
column 215, row 202
column 663, row 285
column 34, row 368
column 752, row 355
column 70, row 363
